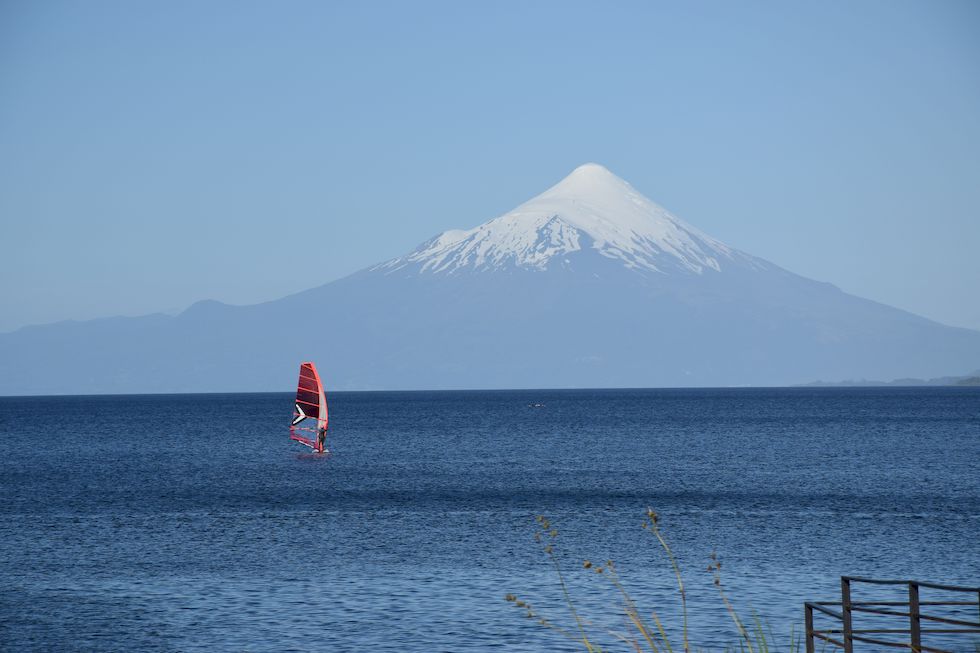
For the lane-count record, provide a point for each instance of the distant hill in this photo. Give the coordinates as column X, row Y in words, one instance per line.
column 969, row 379
column 589, row 284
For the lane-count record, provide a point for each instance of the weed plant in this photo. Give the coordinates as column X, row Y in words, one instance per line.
column 645, row 630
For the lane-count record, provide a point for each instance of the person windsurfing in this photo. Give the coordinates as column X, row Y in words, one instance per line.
column 311, row 404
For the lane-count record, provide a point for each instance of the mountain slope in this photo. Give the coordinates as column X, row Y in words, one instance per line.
column 587, row 285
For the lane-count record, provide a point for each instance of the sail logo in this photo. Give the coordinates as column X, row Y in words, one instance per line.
column 300, row 415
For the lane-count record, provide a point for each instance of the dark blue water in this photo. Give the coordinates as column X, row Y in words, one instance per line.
column 192, row 523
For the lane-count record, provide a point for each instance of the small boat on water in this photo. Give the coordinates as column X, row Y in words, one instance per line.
column 311, row 404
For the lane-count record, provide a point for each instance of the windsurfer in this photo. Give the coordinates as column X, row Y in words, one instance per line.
column 321, row 438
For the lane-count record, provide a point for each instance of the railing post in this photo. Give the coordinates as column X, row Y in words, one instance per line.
column 845, row 604
column 808, row 620
column 914, row 626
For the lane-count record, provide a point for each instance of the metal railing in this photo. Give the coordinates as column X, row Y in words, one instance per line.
column 912, row 610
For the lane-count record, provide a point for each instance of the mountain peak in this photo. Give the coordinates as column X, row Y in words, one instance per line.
column 590, row 209
column 589, row 181
column 591, row 173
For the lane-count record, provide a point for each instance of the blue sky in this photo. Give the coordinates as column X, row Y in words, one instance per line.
column 156, row 154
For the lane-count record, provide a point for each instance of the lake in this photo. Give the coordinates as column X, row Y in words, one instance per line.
column 192, row 523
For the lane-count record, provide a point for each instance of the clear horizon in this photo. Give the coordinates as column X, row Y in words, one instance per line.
column 156, row 156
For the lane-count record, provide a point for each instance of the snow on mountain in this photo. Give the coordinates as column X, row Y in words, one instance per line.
column 591, row 208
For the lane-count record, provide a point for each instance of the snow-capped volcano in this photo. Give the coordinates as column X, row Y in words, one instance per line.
column 590, row 209
column 587, row 285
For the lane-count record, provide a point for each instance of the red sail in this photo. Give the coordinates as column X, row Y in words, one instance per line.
column 310, row 409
